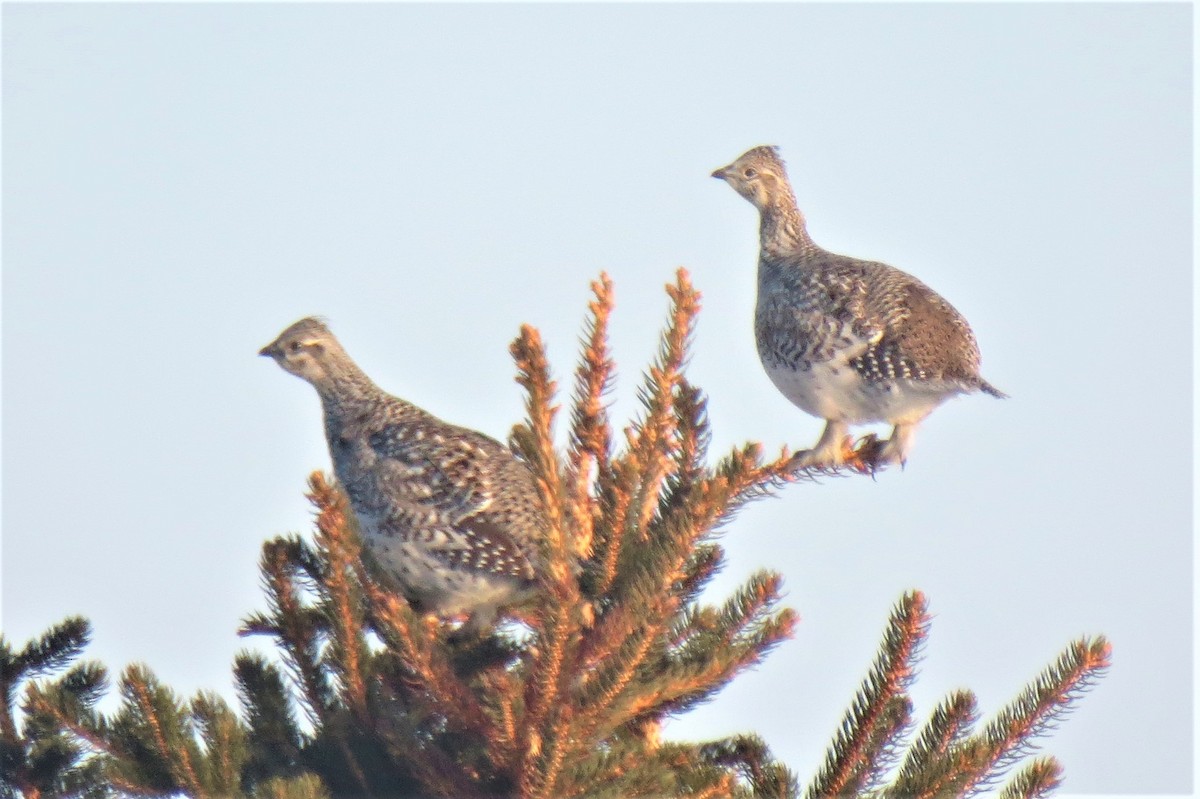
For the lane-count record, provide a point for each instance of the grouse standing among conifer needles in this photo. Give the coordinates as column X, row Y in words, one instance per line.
column 449, row 514
column 846, row 340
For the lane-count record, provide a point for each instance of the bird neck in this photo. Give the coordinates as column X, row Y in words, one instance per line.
column 782, row 230
column 345, row 388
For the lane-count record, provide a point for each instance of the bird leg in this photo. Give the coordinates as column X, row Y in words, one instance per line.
column 895, row 449
column 479, row 622
column 831, row 450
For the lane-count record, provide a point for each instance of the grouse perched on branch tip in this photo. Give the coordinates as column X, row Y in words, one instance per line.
column 846, row 340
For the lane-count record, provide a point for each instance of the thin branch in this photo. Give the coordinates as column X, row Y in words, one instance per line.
column 590, row 440
column 1013, row 732
column 849, row 755
column 927, row 765
column 338, row 544
column 416, row 645
column 1036, row 781
column 142, row 690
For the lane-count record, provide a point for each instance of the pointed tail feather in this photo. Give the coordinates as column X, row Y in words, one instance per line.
column 988, row 388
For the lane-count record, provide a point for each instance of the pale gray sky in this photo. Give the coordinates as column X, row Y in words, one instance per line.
column 182, row 181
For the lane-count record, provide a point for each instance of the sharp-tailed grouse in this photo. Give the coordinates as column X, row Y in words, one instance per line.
column 449, row 514
column 846, row 340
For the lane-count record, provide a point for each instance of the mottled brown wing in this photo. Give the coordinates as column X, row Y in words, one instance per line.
column 923, row 334
column 444, row 471
column 482, row 545
column 477, row 489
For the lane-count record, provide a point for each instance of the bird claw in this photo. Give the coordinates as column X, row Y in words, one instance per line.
column 864, row 456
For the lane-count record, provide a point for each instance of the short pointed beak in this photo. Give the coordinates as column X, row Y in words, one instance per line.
column 269, row 351
column 720, row 173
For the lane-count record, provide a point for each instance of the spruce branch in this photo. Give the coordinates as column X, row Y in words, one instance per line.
column 148, row 748
column 51, row 651
column 296, row 627
column 694, row 436
column 317, row 616
column 162, row 753
column 40, row 756
column 1013, row 733
column 537, row 437
column 602, row 704
column 651, row 444
column 225, row 744
column 58, row 706
column 927, row 765
column 341, row 594
column 848, row 765
column 606, row 772
column 557, row 622
column 435, row 770
column 650, row 507
column 304, row 786
column 704, row 563
column 626, row 768
column 16, row 667
column 882, row 748
column 416, row 741
column 500, row 700
column 42, row 703
column 431, row 680
column 616, row 626
column 713, row 645
column 752, row 759
column 615, row 488
column 274, row 739
column 1036, row 781
column 590, row 442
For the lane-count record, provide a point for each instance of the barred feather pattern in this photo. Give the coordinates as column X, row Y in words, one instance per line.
column 842, row 338
column 451, row 517
column 886, row 324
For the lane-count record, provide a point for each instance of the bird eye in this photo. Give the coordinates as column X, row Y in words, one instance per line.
column 751, row 172
column 295, row 346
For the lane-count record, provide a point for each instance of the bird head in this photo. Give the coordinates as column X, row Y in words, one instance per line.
column 306, row 349
column 758, row 175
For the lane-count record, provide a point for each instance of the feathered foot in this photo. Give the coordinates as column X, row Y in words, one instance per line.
column 896, row 448
column 837, row 451
column 478, row 624
column 830, row 451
